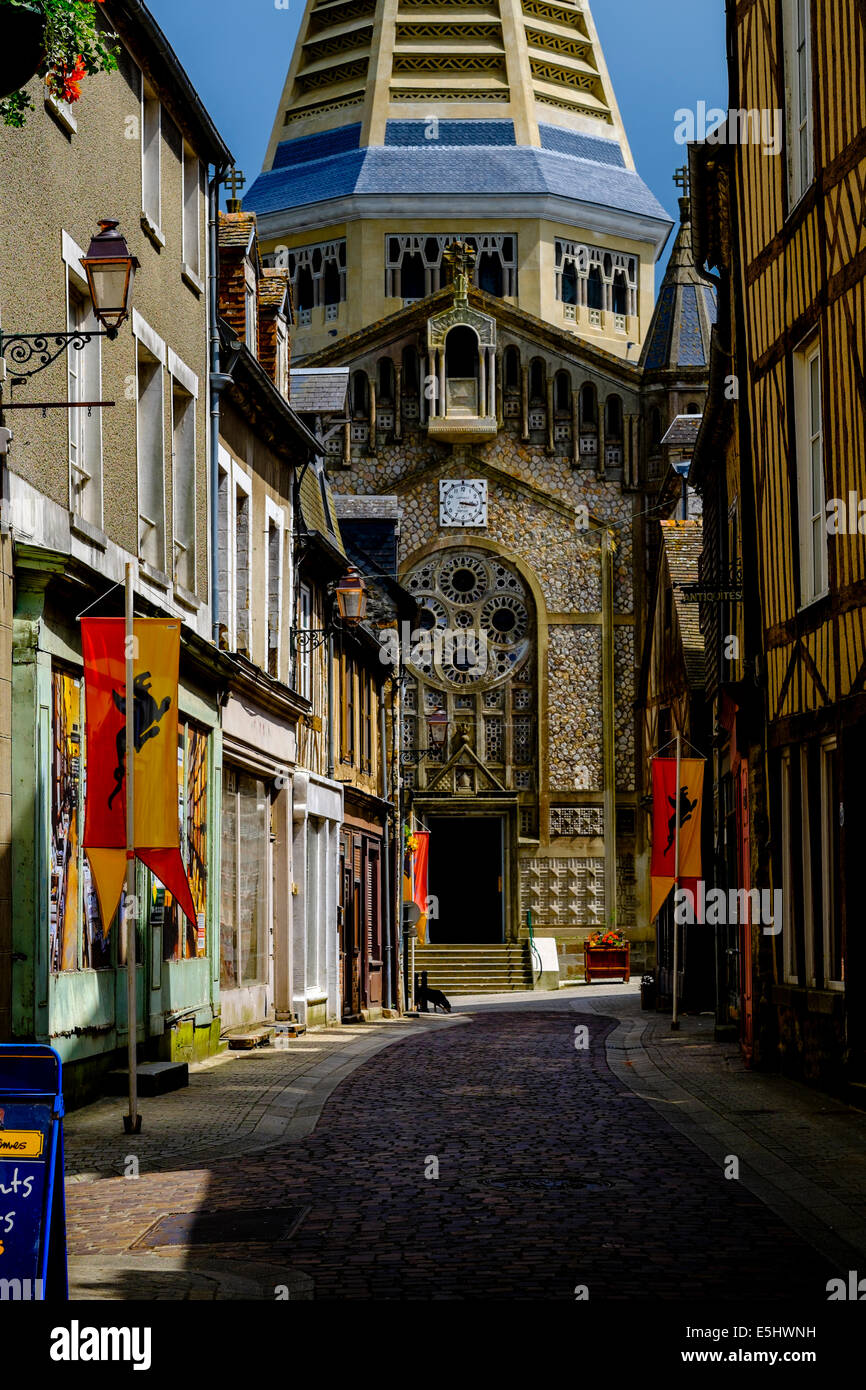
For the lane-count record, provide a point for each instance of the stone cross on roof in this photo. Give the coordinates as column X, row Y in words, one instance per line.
column 235, row 180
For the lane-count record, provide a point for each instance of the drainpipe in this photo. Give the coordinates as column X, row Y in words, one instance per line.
column 217, row 383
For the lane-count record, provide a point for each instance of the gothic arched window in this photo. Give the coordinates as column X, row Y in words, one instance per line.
column 304, row 289
column 490, row 273
column 619, row 294
column 562, row 392
column 536, row 380
column 385, row 380
column 655, row 427
column 360, row 395
column 410, row 369
column 412, row 276
column 569, row 283
column 595, row 289
column 613, row 418
column 588, row 406
column 332, row 289
column 511, row 365
column 461, row 352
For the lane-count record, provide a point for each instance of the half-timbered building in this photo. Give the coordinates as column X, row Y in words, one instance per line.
column 781, row 466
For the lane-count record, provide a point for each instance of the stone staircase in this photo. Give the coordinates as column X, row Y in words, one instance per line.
column 483, row 969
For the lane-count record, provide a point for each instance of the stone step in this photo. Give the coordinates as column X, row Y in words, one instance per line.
column 244, row 1039
column 152, row 1078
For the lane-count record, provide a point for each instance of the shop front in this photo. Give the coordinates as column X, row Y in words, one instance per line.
column 259, row 750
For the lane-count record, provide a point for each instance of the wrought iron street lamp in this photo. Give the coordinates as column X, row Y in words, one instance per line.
column 351, row 594
column 110, row 271
column 437, row 729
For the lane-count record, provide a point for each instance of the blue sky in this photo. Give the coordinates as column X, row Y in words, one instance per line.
column 662, row 54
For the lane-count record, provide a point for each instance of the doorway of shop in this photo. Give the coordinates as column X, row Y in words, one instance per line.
column 467, row 879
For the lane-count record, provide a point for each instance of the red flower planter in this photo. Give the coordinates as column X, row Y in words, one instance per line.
column 607, row 963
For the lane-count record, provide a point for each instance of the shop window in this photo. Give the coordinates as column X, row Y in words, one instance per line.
column 181, row 940
column 244, row 887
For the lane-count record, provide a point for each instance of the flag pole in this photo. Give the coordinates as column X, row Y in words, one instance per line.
column 675, row 1022
column 132, row 1121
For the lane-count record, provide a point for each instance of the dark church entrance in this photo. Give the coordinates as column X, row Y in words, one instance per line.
column 467, row 877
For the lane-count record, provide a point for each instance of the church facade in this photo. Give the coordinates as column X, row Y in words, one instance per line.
column 451, row 190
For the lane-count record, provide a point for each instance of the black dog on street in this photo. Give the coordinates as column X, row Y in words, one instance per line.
column 434, row 997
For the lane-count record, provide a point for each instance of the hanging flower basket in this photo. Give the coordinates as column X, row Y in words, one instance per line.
column 22, row 40
column 58, row 40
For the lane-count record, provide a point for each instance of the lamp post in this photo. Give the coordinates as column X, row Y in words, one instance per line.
column 110, row 269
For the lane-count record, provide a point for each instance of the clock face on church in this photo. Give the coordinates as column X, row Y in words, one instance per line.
column 463, row 502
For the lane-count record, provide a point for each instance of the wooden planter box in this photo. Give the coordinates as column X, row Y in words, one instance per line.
column 607, row 963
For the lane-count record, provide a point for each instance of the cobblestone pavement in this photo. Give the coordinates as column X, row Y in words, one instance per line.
column 553, row 1172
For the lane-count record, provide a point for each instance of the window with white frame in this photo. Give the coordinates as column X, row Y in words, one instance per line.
column 243, row 558
column 304, row 655
column 275, row 528
column 151, row 139
column 84, row 377
column 234, row 501
column 151, row 458
column 798, row 62
column 834, row 970
column 191, row 212
column 810, row 473
column 183, row 492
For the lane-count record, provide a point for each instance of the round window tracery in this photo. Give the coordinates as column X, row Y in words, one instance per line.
column 484, row 603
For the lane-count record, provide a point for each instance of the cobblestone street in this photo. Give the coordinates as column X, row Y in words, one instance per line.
column 557, row 1167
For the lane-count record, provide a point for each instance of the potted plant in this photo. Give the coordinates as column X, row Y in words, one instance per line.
column 606, row 956
column 58, row 40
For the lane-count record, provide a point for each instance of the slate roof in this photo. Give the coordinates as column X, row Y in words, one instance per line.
column 684, row 430
column 683, row 542
column 319, row 390
column 685, row 312
column 313, row 485
column 478, row 157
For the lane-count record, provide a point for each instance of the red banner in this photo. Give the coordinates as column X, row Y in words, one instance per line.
column 663, row 869
column 156, row 837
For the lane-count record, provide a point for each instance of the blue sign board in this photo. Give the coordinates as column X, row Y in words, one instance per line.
column 32, row 1202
